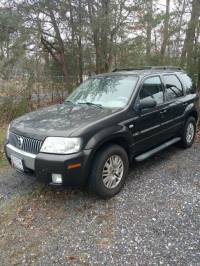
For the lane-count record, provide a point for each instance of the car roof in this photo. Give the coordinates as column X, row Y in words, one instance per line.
column 144, row 71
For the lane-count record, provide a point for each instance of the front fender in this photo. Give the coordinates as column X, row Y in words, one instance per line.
column 109, row 134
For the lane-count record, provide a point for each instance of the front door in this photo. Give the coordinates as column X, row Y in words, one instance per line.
column 147, row 131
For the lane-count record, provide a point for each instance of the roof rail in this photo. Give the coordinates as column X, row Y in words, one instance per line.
column 130, row 69
column 147, row 68
column 167, row 67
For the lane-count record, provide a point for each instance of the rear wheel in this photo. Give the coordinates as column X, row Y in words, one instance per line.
column 189, row 133
column 109, row 171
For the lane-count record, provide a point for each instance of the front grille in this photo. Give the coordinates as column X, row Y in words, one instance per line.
column 26, row 144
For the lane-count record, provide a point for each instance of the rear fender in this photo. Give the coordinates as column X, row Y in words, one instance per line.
column 191, row 110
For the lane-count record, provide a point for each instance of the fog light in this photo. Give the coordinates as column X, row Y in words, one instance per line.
column 56, row 178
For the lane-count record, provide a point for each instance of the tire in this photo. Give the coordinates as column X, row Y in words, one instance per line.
column 106, row 178
column 189, row 132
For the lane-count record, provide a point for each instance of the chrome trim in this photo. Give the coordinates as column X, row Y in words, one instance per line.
column 20, row 151
column 25, row 144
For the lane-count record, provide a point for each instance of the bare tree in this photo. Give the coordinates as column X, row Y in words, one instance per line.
column 187, row 55
column 149, row 28
column 165, row 31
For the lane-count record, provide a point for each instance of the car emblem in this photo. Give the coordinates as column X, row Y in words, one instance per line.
column 20, row 141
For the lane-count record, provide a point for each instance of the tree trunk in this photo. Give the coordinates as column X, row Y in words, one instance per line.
column 104, row 35
column 198, row 77
column 95, row 35
column 191, row 34
column 166, row 31
column 97, row 52
column 80, row 49
column 198, row 58
column 61, row 52
column 188, row 47
column 178, row 40
column 71, row 21
column 149, row 30
column 80, row 58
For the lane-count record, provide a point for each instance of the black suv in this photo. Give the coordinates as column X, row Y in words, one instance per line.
column 108, row 121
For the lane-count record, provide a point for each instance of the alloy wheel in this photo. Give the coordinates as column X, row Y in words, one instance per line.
column 113, row 171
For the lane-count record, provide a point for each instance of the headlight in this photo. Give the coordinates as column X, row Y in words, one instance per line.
column 8, row 132
column 60, row 145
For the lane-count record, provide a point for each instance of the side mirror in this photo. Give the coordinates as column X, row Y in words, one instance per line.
column 147, row 103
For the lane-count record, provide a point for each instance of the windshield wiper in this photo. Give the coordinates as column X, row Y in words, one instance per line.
column 92, row 104
column 68, row 101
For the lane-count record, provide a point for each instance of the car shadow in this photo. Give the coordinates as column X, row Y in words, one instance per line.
column 156, row 159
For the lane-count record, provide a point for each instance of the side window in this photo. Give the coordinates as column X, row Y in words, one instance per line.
column 152, row 87
column 189, row 85
column 173, row 87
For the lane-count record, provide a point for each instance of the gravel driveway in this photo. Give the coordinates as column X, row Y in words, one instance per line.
column 155, row 220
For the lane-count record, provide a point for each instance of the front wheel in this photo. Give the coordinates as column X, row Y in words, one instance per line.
column 189, row 133
column 109, row 171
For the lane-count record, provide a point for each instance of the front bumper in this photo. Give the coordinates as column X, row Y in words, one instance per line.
column 28, row 158
column 44, row 165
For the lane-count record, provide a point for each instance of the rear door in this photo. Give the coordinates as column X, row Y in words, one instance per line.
column 173, row 108
column 147, row 126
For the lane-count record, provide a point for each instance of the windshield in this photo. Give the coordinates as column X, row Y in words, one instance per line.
column 108, row 91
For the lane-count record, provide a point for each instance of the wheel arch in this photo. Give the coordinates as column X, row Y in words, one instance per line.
column 117, row 140
column 192, row 113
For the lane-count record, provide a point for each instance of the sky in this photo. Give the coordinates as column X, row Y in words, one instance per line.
column 162, row 4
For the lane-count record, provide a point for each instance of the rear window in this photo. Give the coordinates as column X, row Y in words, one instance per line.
column 173, row 87
column 188, row 83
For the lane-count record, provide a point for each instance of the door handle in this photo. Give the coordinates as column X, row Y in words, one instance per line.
column 163, row 111
column 184, row 104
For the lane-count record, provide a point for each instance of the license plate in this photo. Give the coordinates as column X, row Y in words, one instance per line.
column 17, row 163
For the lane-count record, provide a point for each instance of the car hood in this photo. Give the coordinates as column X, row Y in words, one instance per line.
column 58, row 120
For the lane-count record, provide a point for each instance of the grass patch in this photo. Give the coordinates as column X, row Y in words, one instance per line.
column 2, row 134
column 3, row 161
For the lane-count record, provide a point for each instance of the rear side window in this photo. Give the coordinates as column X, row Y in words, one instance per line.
column 189, row 85
column 152, row 87
column 173, row 88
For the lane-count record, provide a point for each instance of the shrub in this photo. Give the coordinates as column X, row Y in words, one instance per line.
column 10, row 109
